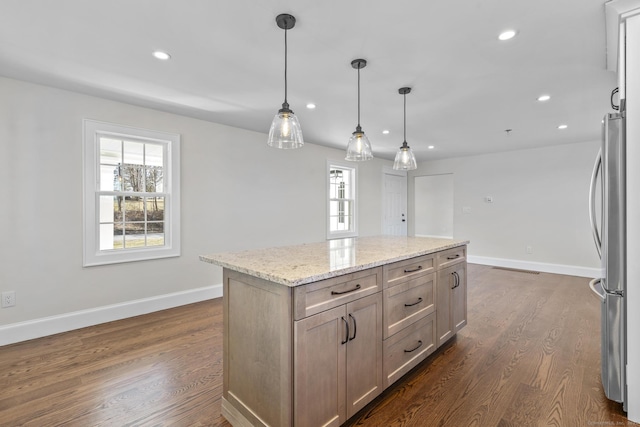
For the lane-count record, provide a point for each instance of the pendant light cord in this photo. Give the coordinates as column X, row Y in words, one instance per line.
column 358, row 97
column 405, row 116
column 285, row 70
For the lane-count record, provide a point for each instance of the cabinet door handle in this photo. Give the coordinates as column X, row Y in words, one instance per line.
column 345, row 292
column 456, row 280
column 347, row 335
column 414, row 270
column 415, row 303
column 415, row 348
column 454, row 257
column 355, row 328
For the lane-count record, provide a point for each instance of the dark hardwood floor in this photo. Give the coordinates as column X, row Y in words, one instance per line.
column 530, row 356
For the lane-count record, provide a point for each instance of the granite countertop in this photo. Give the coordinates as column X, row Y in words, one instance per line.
column 301, row 264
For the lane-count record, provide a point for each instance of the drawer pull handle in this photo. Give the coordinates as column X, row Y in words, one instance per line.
column 415, row 348
column 355, row 327
column 414, row 270
column 415, row 303
column 345, row 292
column 454, row 257
column 347, row 325
column 456, row 279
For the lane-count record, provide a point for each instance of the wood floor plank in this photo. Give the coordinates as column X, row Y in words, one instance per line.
column 529, row 356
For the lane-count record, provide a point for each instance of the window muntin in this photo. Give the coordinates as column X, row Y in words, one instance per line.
column 342, row 201
column 131, row 194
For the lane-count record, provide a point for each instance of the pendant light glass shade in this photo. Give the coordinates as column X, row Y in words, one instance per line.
column 405, row 159
column 285, row 131
column 359, row 147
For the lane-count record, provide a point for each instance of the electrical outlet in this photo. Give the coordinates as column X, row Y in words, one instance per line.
column 529, row 249
column 8, row 299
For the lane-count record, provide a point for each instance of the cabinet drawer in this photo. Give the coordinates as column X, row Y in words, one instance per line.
column 452, row 256
column 407, row 348
column 408, row 302
column 400, row 271
column 320, row 296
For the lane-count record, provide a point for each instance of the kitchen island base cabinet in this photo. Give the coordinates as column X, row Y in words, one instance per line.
column 338, row 362
column 314, row 353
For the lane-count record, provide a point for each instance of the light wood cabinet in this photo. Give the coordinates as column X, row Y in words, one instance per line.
column 320, row 364
column 407, row 348
column 408, row 302
column 450, row 257
column 409, row 308
column 400, row 271
column 451, row 301
column 320, row 296
column 338, row 362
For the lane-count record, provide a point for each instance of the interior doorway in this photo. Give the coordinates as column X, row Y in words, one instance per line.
column 434, row 205
column 394, row 203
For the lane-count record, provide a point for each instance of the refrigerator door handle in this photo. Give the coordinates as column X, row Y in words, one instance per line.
column 592, row 285
column 592, row 203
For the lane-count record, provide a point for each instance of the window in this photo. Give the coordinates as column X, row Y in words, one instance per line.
column 341, row 213
column 131, row 194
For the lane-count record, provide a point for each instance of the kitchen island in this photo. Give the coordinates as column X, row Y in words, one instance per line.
column 314, row 332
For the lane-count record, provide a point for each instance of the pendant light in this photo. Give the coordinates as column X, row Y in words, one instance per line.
column 285, row 129
column 405, row 160
column 359, row 147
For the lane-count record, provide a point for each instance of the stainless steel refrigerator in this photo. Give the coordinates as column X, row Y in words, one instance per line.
column 608, row 222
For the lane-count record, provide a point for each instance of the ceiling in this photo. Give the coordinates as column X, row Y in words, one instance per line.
column 227, row 65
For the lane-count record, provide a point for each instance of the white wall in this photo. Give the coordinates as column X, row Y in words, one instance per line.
column 237, row 193
column 433, row 205
column 540, row 199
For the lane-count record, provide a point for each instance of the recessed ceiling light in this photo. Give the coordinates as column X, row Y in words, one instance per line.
column 431, row 147
column 161, row 55
column 386, row 132
column 506, row 35
column 543, row 98
column 563, row 127
column 311, row 106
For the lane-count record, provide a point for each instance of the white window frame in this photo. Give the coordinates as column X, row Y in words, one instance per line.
column 92, row 255
column 331, row 164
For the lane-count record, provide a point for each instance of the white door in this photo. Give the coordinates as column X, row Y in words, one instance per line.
column 395, row 205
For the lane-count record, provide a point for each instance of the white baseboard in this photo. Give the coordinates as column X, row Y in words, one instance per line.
column 434, row 236
column 37, row 328
column 570, row 270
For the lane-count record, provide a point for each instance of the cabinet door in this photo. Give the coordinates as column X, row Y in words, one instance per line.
column 364, row 352
column 459, row 297
column 444, row 322
column 320, row 349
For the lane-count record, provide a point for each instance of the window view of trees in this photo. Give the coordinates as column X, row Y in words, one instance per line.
column 132, row 199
